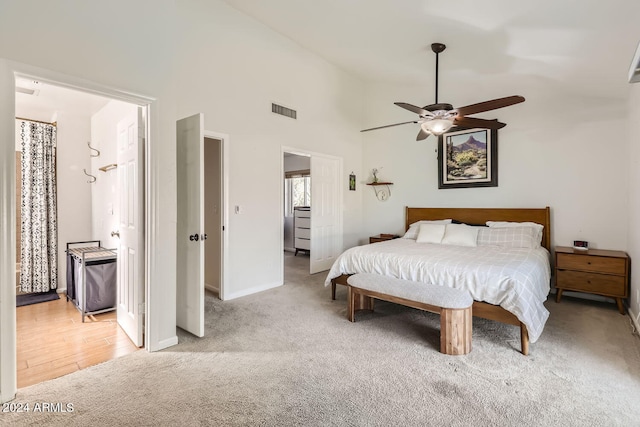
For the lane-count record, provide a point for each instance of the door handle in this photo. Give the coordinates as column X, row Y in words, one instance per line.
column 115, row 234
column 194, row 237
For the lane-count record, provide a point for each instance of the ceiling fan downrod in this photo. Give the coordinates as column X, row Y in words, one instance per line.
column 437, row 48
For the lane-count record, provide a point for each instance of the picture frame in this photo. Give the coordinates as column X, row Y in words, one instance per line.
column 352, row 182
column 467, row 158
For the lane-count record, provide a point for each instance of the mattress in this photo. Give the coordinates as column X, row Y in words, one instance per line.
column 516, row 279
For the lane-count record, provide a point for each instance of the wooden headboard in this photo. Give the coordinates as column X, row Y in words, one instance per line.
column 479, row 216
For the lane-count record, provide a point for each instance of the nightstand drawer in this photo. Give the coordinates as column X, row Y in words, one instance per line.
column 591, row 263
column 591, row 282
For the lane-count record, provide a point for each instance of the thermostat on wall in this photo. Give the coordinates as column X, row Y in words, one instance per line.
column 581, row 245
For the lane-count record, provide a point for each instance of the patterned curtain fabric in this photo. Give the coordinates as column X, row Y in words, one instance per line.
column 39, row 228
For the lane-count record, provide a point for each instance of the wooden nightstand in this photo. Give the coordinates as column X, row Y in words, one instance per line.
column 595, row 271
column 382, row 238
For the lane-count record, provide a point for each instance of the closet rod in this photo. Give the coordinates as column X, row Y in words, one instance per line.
column 37, row 121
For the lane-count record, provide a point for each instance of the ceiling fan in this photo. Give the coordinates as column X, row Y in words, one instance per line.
column 440, row 117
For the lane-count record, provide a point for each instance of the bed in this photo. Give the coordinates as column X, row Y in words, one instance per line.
column 509, row 285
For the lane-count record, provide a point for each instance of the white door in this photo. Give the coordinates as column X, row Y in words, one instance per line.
column 326, row 212
column 190, row 247
column 130, row 307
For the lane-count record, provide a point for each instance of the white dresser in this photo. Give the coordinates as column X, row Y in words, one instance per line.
column 302, row 228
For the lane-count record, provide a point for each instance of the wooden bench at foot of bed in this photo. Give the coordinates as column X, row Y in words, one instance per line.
column 480, row 309
column 453, row 305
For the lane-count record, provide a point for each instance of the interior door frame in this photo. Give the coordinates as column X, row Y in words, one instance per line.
column 307, row 153
column 224, row 264
column 8, row 344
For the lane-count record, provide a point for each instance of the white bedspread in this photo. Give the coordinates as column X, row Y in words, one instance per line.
column 517, row 279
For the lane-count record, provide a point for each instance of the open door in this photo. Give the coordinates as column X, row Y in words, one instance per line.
column 190, row 227
column 130, row 308
column 326, row 211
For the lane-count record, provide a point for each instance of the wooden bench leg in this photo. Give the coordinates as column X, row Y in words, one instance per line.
column 356, row 302
column 351, row 307
column 524, row 339
column 455, row 331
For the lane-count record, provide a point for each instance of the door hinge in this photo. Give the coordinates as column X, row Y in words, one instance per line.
column 141, row 308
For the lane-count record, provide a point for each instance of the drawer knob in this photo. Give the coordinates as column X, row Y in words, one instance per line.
column 589, row 262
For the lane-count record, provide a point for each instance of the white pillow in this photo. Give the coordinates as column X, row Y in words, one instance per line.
column 430, row 233
column 538, row 228
column 412, row 232
column 508, row 237
column 460, row 235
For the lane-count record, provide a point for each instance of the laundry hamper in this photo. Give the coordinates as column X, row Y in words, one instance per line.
column 91, row 277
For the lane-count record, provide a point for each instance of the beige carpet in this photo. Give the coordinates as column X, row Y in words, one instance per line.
column 289, row 357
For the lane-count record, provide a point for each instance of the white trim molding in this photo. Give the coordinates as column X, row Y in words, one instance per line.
column 634, row 68
column 8, row 377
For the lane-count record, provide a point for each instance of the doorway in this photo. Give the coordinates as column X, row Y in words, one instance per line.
column 202, row 214
column 297, row 206
column 91, row 133
column 213, row 214
column 321, row 221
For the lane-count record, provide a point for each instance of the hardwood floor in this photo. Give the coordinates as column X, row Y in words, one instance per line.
column 52, row 341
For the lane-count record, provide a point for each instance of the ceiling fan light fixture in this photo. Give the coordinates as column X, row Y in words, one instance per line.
column 437, row 126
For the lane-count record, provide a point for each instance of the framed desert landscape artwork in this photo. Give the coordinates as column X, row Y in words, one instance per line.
column 468, row 158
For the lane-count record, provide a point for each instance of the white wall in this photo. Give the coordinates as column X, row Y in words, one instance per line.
column 634, row 198
column 104, row 194
column 555, row 151
column 296, row 163
column 233, row 83
column 74, row 192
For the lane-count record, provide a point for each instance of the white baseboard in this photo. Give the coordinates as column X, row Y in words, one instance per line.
column 212, row 288
column 289, row 249
column 634, row 319
column 250, row 291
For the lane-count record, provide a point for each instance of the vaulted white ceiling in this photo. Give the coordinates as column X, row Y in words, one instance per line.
column 577, row 46
column 583, row 45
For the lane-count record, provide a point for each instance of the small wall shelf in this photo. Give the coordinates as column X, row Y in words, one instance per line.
column 383, row 193
column 108, row 167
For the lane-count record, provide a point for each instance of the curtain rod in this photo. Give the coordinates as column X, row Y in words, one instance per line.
column 37, row 121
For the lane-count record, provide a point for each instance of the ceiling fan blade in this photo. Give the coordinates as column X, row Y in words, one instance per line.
column 494, row 104
column 422, row 135
column 419, row 111
column 472, row 122
column 388, row 126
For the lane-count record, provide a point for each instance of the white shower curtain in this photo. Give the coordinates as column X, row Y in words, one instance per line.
column 39, row 228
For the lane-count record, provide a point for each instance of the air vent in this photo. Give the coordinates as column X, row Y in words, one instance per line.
column 283, row 111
